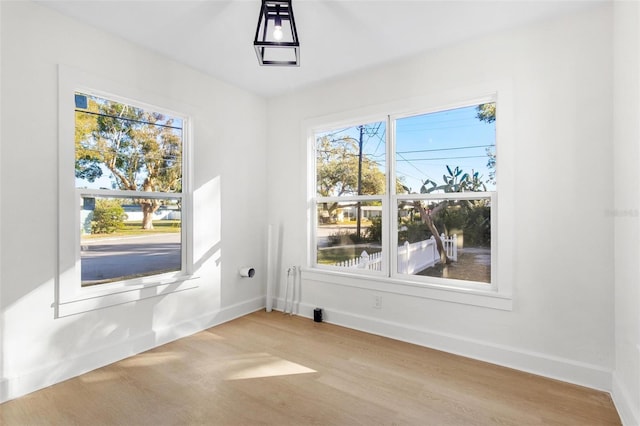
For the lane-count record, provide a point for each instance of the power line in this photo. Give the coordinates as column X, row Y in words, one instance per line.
column 445, row 149
column 440, row 128
column 129, row 153
column 412, row 165
column 413, row 121
column 416, row 151
column 444, row 158
column 128, row 119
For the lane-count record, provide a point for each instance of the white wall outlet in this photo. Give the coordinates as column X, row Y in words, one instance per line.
column 377, row 301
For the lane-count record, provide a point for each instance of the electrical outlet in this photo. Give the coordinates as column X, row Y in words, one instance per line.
column 377, row 301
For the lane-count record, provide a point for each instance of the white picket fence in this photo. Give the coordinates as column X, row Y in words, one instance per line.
column 415, row 257
column 412, row 258
column 372, row 261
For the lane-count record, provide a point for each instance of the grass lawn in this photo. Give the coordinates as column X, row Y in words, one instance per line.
column 135, row 228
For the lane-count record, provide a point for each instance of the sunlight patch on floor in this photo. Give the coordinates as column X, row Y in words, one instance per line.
column 252, row 366
column 98, row 376
column 206, row 336
column 152, row 358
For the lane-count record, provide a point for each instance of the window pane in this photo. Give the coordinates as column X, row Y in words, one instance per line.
column 343, row 240
column 445, row 238
column 351, row 161
column 447, row 151
column 115, row 246
column 122, row 147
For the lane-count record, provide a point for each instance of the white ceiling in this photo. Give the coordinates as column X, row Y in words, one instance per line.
column 336, row 37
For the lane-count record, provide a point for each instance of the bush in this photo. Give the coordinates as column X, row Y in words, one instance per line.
column 477, row 229
column 413, row 232
column 344, row 238
column 369, row 234
column 374, row 232
column 108, row 217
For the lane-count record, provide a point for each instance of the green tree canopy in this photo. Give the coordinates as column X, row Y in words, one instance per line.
column 141, row 149
column 337, row 169
column 487, row 113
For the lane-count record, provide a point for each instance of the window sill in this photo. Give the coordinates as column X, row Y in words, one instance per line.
column 467, row 296
column 89, row 302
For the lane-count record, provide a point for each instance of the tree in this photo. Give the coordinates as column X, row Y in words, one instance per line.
column 487, row 113
column 337, row 169
column 455, row 181
column 342, row 169
column 141, row 149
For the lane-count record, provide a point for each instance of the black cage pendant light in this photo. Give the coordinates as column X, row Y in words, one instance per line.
column 276, row 41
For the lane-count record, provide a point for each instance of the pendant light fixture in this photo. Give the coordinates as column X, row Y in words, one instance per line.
column 276, row 41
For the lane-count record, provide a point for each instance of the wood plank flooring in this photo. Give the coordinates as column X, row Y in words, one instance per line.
column 270, row 368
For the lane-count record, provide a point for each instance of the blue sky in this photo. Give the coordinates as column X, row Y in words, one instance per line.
column 426, row 144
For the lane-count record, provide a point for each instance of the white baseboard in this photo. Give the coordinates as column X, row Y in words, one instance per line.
column 4, row 386
column 14, row 387
column 629, row 414
column 563, row 369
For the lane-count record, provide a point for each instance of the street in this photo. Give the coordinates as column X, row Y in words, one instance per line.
column 111, row 259
column 324, row 231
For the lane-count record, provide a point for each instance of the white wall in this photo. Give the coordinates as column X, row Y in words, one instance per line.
column 229, row 169
column 626, row 215
column 560, row 74
column 562, row 322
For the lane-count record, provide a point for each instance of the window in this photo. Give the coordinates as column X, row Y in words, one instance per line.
column 409, row 198
column 350, row 193
column 128, row 170
column 124, row 208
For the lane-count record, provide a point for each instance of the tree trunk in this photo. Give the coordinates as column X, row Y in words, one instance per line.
column 426, row 218
column 149, row 207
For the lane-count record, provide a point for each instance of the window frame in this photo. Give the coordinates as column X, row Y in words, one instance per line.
column 315, row 199
column 497, row 294
column 454, row 283
column 71, row 296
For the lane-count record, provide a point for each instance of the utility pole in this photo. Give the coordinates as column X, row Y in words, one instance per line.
column 358, row 219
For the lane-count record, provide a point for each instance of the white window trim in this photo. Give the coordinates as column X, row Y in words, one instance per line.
column 498, row 295
column 71, row 297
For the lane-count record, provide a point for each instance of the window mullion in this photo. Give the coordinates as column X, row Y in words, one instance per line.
column 391, row 221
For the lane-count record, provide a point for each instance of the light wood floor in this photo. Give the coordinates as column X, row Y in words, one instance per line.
column 269, row 368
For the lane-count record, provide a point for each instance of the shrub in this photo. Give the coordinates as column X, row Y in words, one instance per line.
column 343, row 238
column 374, row 232
column 477, row 229
column 413, row 232
column 108, row 217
